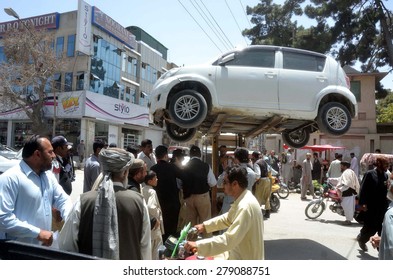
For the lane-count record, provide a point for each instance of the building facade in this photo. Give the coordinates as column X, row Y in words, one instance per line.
column 103, row 91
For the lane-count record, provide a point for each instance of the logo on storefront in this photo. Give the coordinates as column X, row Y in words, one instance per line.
column 122, row 108
column 70, row 104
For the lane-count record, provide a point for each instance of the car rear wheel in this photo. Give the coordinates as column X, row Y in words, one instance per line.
column 188, row 108
column 334, row 118
column 180, row 134
column 296, row 139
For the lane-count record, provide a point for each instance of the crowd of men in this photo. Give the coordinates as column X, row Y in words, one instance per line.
column 131, row 202
column 136, row 198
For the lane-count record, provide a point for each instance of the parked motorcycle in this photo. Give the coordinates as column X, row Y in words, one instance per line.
column 317, row 206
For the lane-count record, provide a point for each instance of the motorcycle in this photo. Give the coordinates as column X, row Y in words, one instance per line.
column 317, row 206
column 283, row 190
column 274, row 198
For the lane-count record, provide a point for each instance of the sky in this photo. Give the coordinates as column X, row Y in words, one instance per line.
column 194, row 31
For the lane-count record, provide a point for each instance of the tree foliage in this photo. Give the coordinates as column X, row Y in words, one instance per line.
column 27, row 73
column 351, row 30
column 385, row 109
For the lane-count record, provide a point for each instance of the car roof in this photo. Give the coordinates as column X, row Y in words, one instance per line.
column 289, row 49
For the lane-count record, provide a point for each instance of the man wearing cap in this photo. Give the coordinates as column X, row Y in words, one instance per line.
column 348, row 186
column 62, row 165
column 28, row 191
column 110, row 221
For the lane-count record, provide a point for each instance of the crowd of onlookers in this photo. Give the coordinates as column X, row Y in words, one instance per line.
column 134, row 199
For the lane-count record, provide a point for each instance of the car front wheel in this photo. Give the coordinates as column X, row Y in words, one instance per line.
column 334, row 118
column 296, row 139
column 188, row 108
column 180, row 134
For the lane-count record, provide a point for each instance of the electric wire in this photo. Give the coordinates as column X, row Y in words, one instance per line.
column 236, row 21
column 245, row 14
column 200, row 26
column 208, row 23
column 217, row 27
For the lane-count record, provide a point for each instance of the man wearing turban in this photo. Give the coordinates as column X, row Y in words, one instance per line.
column 109, row 221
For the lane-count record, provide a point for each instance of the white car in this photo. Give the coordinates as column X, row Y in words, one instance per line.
column 258, row 89
column 7, row 152
column 6, row 163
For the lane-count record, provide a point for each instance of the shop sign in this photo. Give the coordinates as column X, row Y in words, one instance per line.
column 112, row 109
column 114, row 28
column 70, row 104
column 49, row 21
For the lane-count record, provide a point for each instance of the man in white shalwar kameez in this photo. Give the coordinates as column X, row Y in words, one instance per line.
column 348, row 186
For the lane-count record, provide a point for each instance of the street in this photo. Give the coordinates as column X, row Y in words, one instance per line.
column 290, row 235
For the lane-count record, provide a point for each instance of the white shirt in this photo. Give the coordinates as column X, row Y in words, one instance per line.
column 355, row 165
column 149, row 160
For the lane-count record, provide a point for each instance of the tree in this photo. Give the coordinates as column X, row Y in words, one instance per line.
column 385, row 109
column 351, row 30
column 27, row 73
column 362, row 30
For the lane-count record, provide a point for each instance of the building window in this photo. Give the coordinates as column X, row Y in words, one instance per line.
column 101, row 132
column 22, row 132
column 68, row 82
column 71, row 45
column 59, row 46
column 3, row 132
column 57, row 81
column 356, row 90
column 80, row 80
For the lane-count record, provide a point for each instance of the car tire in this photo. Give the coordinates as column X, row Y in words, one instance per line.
column 296, row 139
column 187, row 108
column 334, row 119
column 179, row 134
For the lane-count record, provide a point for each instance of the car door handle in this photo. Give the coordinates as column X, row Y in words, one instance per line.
column 322, row 78
column 271, row 75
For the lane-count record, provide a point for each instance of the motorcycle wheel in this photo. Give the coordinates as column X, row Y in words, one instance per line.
column 274, row 203
column 314, row 209
column 283, row 192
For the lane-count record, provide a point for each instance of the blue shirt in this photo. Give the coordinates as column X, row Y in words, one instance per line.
column 26, row 201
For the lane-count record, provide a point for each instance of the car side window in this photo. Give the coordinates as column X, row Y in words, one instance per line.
column 305, row 62
column 254, row 58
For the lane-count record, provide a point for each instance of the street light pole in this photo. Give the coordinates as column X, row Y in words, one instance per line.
column 11, row 12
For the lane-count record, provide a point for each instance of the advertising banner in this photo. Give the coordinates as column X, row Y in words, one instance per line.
column 111, row 109
column 83, row 28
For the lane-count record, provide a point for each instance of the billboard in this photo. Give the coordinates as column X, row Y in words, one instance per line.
column 83, row 28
